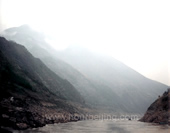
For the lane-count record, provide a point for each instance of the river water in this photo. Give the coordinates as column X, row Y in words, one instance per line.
column 101, row 126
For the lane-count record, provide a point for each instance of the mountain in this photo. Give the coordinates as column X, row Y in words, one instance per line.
column 36, row 44
column 105, row 83
column 159, row 111
column 135, row 92
column 30, row 92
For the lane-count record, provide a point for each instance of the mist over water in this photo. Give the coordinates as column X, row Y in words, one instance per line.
column 101, row 126
column 64, row 59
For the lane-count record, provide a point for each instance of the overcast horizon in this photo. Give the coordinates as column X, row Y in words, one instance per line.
column 136, row 33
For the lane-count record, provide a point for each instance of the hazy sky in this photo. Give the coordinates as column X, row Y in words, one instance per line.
column 136, row 32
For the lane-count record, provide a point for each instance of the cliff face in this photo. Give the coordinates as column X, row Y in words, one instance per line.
column 159, row 111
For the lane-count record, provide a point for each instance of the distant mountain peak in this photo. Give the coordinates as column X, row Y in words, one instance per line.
column 22, row 27
column 25, row 26
column 25, row 30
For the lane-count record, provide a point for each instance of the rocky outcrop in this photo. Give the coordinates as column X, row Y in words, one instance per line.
column 159, row 111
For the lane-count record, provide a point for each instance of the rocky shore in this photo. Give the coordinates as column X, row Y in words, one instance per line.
column 23, row 114
column 159, row 111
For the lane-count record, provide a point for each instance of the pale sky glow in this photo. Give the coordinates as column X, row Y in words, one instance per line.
column 134, row 32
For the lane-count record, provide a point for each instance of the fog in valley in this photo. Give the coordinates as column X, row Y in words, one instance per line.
column 61, row 60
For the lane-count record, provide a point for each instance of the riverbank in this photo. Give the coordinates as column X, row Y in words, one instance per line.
column 159, row 111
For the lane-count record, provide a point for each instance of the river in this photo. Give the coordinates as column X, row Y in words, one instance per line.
column 101, row 126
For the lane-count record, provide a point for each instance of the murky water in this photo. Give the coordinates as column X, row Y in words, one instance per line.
column 100, row 126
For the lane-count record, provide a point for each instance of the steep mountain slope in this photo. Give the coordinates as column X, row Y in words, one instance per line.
column 159, row 111
column 30, row 92
column 36, row 44
column 104, row 82
column 103, row 70
column 35, row 70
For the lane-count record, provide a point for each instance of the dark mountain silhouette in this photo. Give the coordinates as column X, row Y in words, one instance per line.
column 159, row 111
column 30, row 92
column 104, row 82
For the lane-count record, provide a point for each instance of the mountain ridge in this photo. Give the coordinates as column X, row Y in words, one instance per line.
column 104, row 70
column 94, row 76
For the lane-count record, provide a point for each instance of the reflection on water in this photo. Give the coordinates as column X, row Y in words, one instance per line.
column 100, row 126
